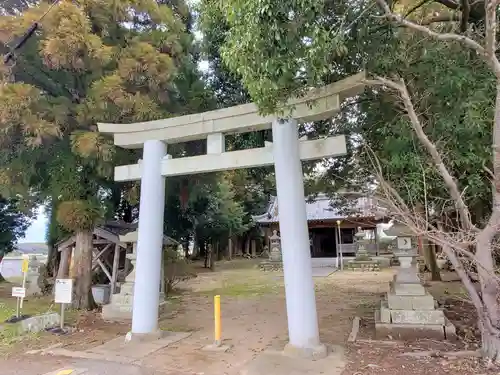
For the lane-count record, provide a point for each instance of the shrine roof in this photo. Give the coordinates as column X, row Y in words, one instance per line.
column 321, row 209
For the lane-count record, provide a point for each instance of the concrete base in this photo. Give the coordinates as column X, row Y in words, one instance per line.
column 269, row 265
column 216, row 348
column 281, row 363
column 399, row 331
column 145, row 337
column 121, row 351
column 314, row 353
column 115, row 312
column 363, row 265
column 39, row 323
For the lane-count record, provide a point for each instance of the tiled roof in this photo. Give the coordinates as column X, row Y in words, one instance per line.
column 31, row 248
column 120, row 228
column 321, row 209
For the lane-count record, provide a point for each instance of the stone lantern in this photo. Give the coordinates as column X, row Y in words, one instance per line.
column 363, row 260
column 409, row 311
column 275, row 261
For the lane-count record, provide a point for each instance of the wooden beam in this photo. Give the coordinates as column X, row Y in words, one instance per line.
column 105, row 270
column 114, row 273
column 66, row 243
column 100, row 242
column 97, row 255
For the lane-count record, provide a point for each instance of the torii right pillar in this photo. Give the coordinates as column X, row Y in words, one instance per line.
column 297, row 266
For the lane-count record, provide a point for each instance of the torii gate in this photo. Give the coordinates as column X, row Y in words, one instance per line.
column 285, row 152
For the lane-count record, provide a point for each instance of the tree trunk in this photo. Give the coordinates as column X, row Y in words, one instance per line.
column 1, row 277
column 430, row 260
column 247, row 245
column 230, row 249
column 83, row 271
column 490, row 344
column 63, row 270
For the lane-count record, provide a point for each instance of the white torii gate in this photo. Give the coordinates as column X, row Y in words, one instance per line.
column 285, row 152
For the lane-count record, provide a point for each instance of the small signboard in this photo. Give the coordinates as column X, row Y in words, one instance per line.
column 64, row 290
column 404, row 243
column 18, row 292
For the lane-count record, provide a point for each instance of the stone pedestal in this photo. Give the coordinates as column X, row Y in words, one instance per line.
column 409, row 312
column 121, row 304
column 120, row 307
column 32, row 287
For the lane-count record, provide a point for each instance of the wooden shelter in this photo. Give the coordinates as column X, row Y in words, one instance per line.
column 109, row 253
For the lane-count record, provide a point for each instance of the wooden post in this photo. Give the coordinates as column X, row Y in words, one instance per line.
column 230, row 248
column 254, row 248
column 63, row 270
column 114, row 272
column 71, row 271
column 162, row 272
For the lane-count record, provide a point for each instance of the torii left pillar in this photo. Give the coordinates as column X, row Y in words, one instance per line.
column 149, row 241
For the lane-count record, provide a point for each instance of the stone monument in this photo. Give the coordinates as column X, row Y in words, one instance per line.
column 409, row 311
column 363, row 260
column 120, row 306
column 32, row 287
column 275, row 262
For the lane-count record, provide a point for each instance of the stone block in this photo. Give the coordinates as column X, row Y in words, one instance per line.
column 40, row 322
column 413, row 289
column 417, row 317
column 449, row 330
column 409, row 331
column 402, row 302
column 396, row 302
column 385, row 313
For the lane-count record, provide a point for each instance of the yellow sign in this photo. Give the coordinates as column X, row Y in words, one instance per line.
column 24, row 266
column 65, row 372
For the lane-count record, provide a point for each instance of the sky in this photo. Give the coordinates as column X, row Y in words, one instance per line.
column 36, row 232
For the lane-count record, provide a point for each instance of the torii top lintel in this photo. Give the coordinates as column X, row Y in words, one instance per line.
column 318, row 104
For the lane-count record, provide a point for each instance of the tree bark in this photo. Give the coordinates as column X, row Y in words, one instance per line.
column 230, row 248
column 63, row 270
column 1, row 277
column 430, row 260
column 490, row 343
column 83, row 271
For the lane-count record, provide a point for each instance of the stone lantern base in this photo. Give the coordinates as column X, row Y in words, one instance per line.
column 363, row 265
column 409, row 312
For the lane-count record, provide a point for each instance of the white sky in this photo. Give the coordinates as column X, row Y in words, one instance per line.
column 36, row 232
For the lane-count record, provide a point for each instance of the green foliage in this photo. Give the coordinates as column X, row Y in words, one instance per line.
column 13, row 224
column 451, row 88
column 91, row 61
column 176, row 269
column 278, row 48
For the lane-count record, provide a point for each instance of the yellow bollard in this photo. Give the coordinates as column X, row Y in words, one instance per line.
column 217, row 321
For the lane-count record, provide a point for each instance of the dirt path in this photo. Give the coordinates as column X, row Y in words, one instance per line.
column 254, row 317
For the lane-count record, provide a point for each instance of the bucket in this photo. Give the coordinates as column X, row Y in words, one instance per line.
column 101, row 293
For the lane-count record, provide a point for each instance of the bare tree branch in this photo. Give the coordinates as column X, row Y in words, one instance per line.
column 425, row 30
column 441, row 18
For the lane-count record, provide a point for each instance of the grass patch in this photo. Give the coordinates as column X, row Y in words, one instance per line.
column 242, row 290
column 33, row 305
column 166, row 325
